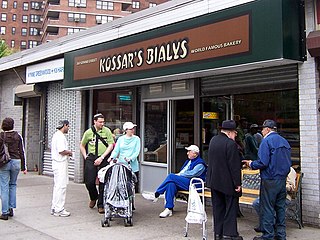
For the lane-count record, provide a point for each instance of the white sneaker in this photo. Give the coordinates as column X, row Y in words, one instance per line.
column 166, row 213
column 63, row 213
column 150, row 197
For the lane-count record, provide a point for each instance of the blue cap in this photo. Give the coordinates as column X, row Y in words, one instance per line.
column 269, row 124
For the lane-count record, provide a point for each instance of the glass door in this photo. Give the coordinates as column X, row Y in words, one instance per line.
column 154, row 166
column 214, row 111
column 182, row 133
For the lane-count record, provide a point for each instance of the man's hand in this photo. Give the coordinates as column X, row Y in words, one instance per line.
column 98, row 161
column 238, row 189
column 246, row 163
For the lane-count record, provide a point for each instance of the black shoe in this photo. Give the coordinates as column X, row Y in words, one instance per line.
column 218, row 237
column 4, row 217
column 232, row 238
column 10, row 212
column 257, row 229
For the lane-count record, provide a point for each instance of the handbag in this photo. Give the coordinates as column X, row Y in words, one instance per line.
column 5, row 158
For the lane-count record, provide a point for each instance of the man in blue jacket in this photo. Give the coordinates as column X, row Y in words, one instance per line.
column 194, row 166
column 274, row 162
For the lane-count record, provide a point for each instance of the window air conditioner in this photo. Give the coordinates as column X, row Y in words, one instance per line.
column 99, row 21
column 76, row 19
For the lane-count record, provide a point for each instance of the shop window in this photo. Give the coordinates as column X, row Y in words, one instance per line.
column 116, row 106
column 155, row 132
column 281, row 106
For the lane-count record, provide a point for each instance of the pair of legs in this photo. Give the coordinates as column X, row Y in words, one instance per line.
column 90, row 176
column 170, row 186
column 60, row 179
column 272, row 209
column 225, row 209
column 8, row 185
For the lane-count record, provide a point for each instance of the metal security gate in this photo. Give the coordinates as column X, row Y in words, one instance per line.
column 260, row 80
column 56, row 111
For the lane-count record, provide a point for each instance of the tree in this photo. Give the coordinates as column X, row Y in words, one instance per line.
column 4, row 49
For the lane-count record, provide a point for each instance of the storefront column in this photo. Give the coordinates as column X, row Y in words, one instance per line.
column 310, row 131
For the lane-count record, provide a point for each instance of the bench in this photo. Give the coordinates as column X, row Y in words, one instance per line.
column 251, row 189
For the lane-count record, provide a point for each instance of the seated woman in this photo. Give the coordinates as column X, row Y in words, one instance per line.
column 194, row 166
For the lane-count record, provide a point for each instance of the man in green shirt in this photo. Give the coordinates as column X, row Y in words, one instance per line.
column 99, row 143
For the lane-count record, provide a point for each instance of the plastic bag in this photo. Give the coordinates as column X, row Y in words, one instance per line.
column 196, row 213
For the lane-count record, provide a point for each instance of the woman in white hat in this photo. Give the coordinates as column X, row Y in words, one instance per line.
column 127, row 148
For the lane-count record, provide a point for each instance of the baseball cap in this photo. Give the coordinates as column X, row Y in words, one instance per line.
column 128, row 125
column 62, row 123
column 269, row 124
column 193, row 148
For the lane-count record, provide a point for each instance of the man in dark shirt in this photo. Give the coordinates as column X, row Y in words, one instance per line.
column 224, row 179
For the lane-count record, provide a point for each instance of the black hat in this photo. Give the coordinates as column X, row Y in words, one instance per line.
column 269, row 124
column 62, row 123
column 229, row 125
column 254, row 126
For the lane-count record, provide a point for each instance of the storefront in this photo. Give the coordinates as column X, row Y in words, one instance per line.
column 180, row 81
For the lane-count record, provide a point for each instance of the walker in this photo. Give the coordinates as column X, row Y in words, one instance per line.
column 196, row 206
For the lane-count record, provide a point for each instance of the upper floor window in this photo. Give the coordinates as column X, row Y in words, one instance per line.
column 76, row 17
column 135, row 4
column 35, row 5
column 3, row 17
column 152, row 5
column 14, row 17
column 12, row 44
column 106, row 5
column 33, row 31
column 25, row 18
column 25, row 6
column 103, row 19
column 13, row 31
column 34, row 18
column 23, row 45
column 24, row 32
column 33, row 44
column 77, row 3
column 15, row 4
column 3, row 30
column 4, row 4
column 74, row 30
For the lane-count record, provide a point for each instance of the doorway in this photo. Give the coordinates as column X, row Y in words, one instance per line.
column 167, row 127
column 182, row 131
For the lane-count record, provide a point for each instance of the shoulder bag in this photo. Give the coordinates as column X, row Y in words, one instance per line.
column 5, row 156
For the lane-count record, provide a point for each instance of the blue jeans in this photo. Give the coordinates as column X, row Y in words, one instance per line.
column 8, row 184
column 273, row 208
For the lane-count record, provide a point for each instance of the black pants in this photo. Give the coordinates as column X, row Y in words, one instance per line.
column 90, row 176
column 225, row 208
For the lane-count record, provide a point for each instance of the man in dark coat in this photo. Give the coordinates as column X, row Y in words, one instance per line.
column 224, row 179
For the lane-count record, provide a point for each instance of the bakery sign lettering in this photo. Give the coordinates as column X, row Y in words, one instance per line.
column 218, row 39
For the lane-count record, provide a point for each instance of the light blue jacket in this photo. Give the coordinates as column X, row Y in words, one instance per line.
column 129, row 148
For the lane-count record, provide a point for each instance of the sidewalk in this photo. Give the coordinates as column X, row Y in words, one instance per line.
column 32, row 219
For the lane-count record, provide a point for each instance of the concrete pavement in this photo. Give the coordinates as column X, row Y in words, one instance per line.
column 32, row 219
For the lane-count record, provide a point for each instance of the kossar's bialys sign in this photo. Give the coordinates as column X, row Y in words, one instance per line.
column 218, row 39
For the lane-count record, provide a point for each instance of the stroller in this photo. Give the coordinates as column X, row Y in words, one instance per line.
column 118, row 193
